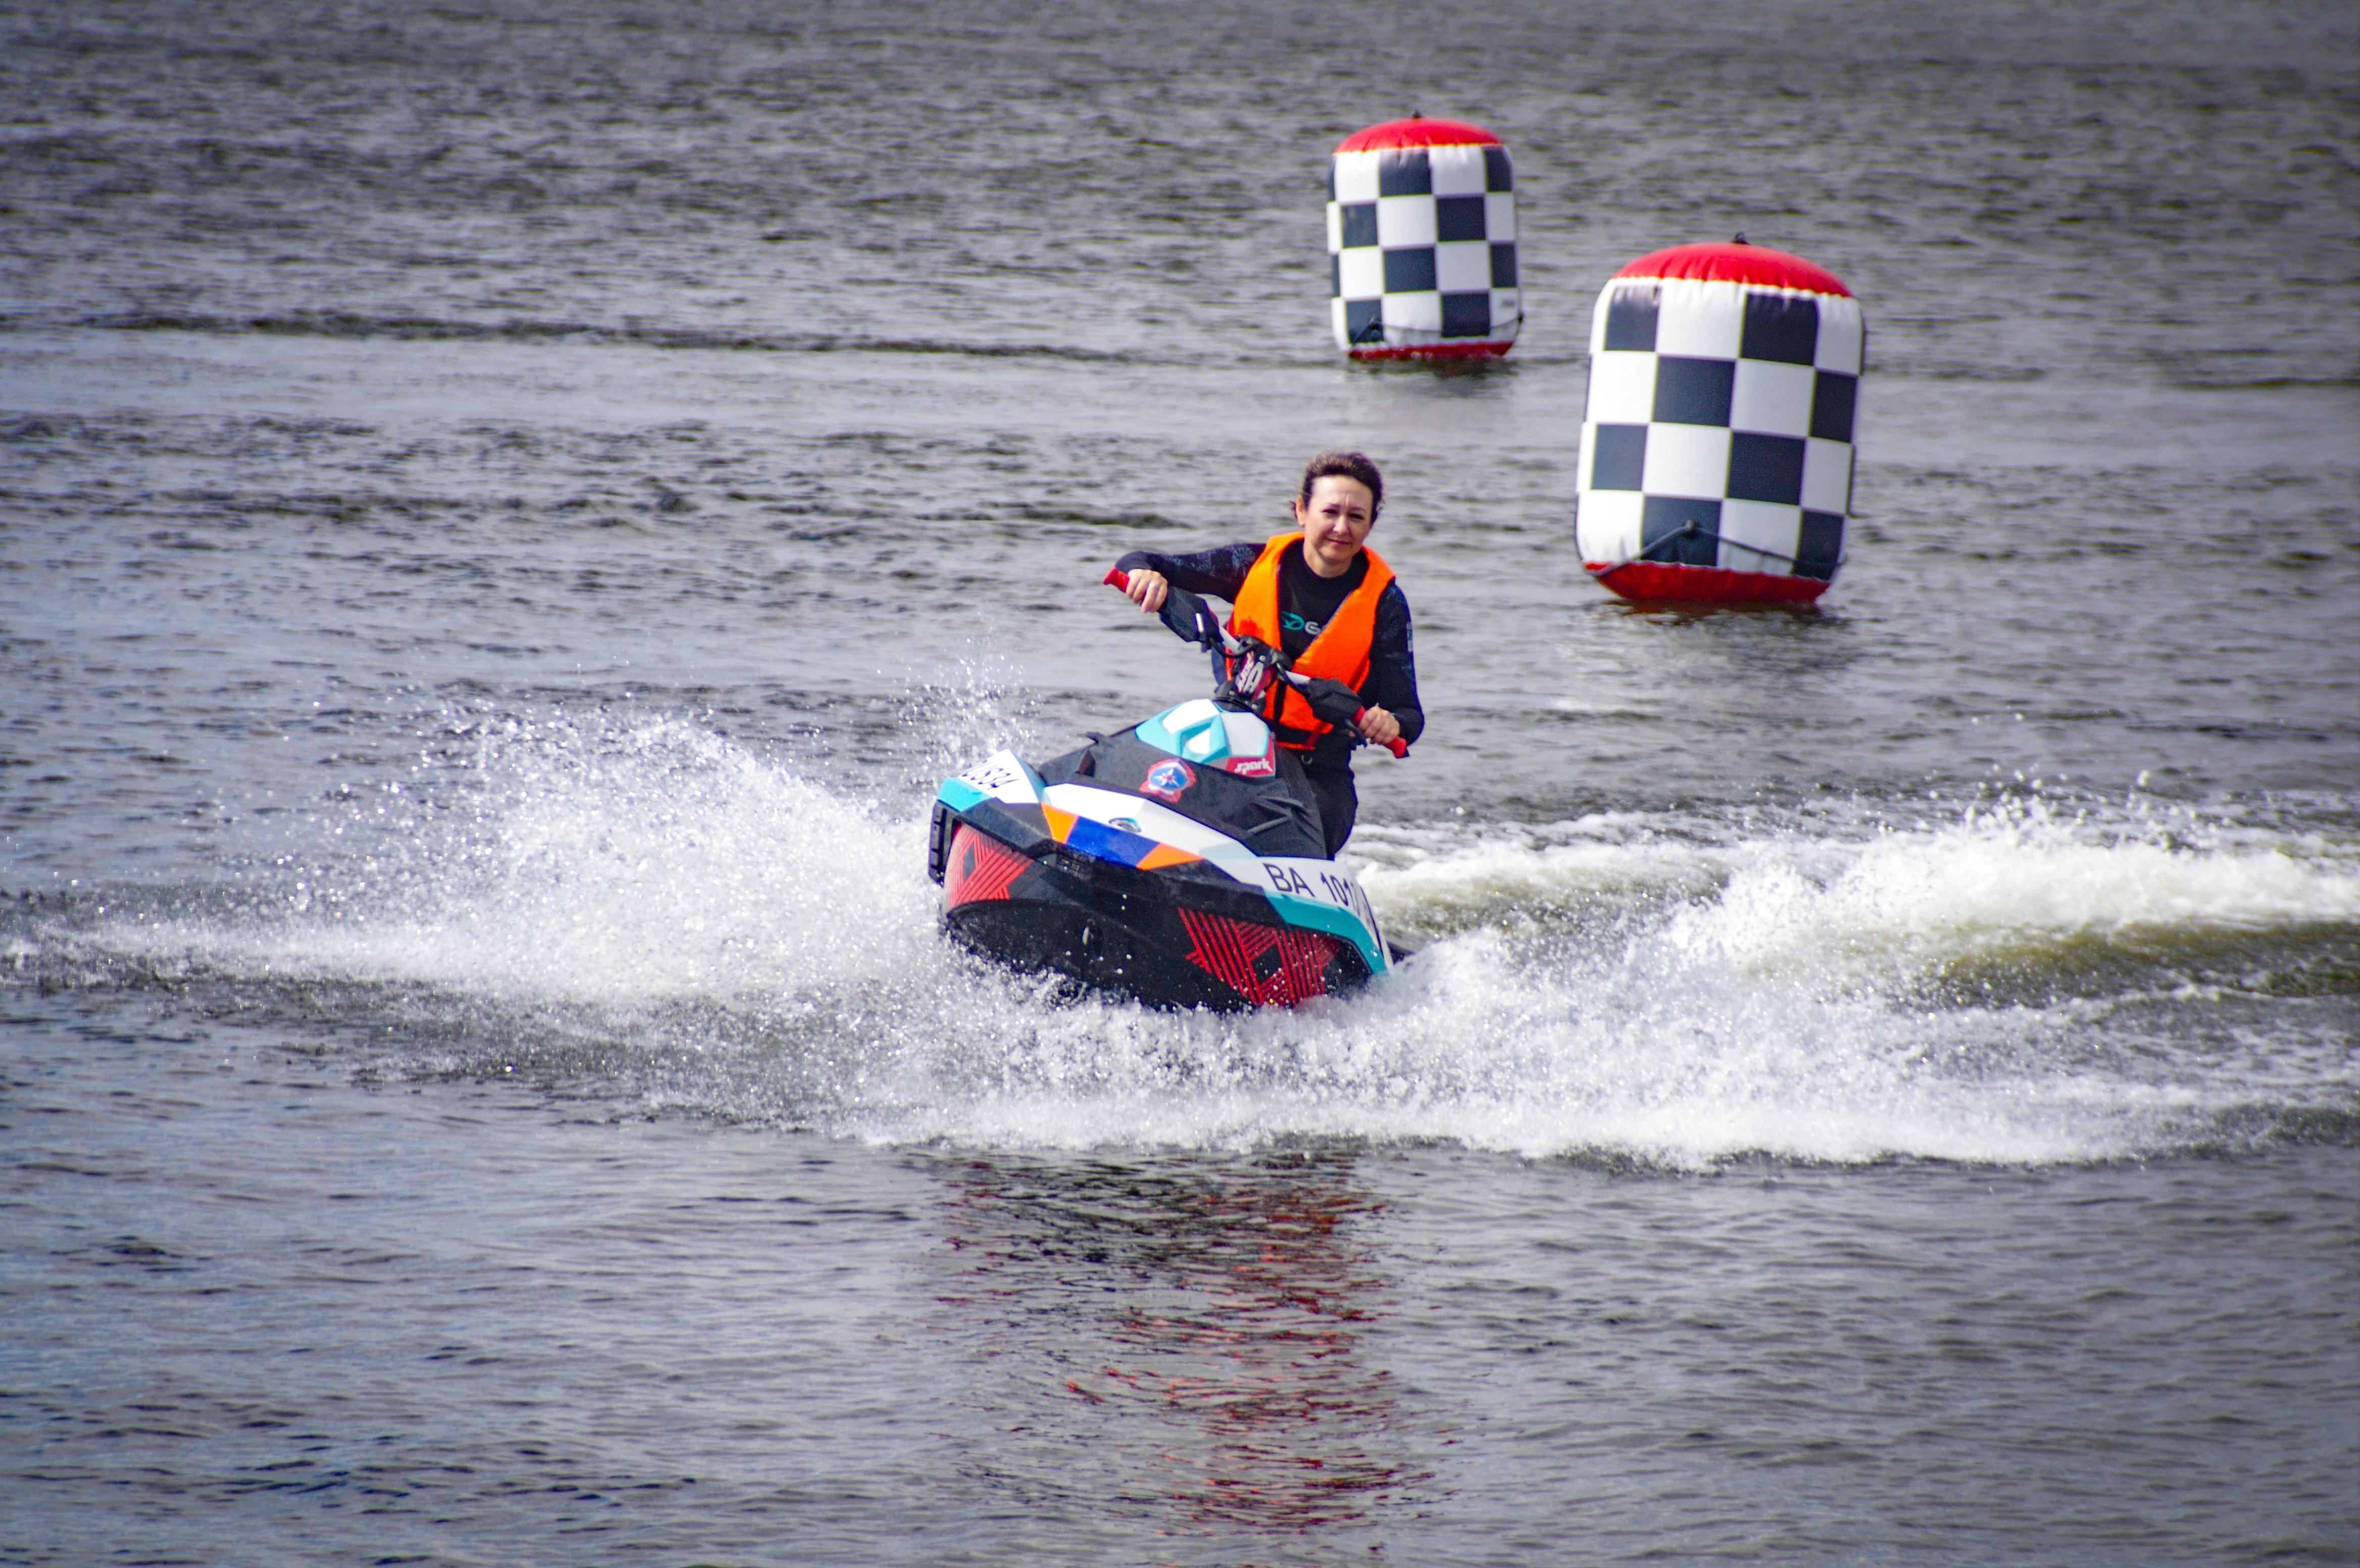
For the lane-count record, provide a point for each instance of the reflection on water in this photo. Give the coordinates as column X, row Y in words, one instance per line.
column 1183, row 1344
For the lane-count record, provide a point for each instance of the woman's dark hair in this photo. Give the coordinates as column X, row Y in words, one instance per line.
column 1348, row 466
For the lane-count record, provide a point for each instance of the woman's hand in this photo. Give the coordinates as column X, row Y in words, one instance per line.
column 1377, row 727
column 1147, row 590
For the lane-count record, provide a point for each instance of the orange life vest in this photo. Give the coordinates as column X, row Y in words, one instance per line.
column 1341, row 652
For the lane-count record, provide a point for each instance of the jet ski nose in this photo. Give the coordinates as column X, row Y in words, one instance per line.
column 1197, row 732
column 1200, row 731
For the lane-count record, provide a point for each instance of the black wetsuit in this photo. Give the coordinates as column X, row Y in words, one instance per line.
column 1306, row 603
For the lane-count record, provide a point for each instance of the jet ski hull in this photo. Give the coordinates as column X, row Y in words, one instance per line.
column 1180, row 863
column 1156, row 936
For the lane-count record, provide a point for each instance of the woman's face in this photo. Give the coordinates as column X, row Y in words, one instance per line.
column 1336, row 522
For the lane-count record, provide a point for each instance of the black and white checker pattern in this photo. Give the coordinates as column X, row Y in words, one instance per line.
column 1422, row 248
column 1728, row 406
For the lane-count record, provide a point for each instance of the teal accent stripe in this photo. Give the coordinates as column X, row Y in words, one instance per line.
column 959, row 794
column 1335, row 922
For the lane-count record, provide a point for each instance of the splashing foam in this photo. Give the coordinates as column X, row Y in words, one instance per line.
column 1477, row 1044
column 650, row 864
column 1885, row 909
column 749, row 945
column 2016, row 883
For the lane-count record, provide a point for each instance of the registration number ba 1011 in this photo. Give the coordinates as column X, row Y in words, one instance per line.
column 1321, row 883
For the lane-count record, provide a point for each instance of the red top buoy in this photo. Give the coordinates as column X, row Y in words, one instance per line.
column 1717, row 443
column 1417, row 131
column 1422, row 242
column 1739, row 263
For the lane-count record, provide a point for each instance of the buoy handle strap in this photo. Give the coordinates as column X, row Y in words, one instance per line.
column 1375, row 329
column 1696, row 530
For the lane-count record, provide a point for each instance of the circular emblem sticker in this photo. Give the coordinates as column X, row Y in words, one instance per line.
column 1169, row 779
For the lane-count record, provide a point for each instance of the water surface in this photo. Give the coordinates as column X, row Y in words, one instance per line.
column 507, row 511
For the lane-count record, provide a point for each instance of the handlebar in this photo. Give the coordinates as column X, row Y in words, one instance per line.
column 1189, row 619
column 1185, row 615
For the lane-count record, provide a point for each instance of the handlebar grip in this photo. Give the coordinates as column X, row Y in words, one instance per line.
column 1184, row 613
column 1398, row 746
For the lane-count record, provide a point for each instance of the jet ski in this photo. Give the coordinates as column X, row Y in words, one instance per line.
column 1180, row 862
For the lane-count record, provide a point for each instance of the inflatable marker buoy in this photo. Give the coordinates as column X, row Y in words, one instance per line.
column 1716, row 447
column 1422, row 242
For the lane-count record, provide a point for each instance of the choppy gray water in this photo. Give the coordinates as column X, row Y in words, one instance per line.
column 506, row 511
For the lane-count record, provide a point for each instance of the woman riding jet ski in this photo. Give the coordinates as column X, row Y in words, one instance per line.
column 1190, row 861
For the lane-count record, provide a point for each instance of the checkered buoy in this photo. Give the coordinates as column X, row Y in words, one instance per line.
column 1716, row 450
column 1422, row 242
